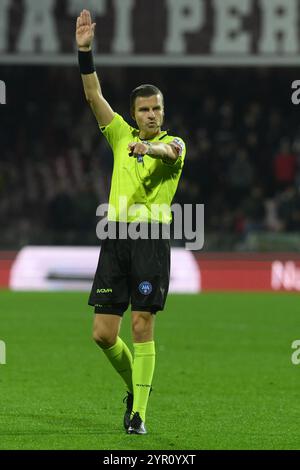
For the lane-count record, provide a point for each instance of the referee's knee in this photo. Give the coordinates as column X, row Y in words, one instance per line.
column 105, row 339
column 142, row 326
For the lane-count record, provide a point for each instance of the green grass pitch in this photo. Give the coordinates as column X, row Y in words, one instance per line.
column 223, row 380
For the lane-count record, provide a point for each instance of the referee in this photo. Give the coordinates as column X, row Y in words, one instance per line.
column 147, row 167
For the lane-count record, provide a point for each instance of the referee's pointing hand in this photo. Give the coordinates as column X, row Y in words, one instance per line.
column 137, row 148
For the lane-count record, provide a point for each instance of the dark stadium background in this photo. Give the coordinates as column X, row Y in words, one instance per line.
column 241, row 129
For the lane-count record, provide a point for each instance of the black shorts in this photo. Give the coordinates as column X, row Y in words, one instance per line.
column 131, row 271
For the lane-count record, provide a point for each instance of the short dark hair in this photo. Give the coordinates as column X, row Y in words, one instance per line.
column 144, row 91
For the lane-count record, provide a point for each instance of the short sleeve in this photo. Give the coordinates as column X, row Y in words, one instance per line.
column 114, row 131
column 180, row 148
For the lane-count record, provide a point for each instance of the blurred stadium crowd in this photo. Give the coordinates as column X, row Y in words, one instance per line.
column 243, row 151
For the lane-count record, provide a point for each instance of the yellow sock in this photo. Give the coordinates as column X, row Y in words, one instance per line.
column 121, row 359
column 142, row 374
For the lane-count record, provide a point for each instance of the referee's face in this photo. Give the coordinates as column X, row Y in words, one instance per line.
column 149, row 114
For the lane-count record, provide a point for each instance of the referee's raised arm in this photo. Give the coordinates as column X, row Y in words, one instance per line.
column 92, row 89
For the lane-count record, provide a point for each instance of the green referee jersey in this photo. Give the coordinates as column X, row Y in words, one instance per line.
column 140, row 192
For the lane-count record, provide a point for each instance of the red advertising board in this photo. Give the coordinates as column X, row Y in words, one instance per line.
column 6, row 261
column 249, row 272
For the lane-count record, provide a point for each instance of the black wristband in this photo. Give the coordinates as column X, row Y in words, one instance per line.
column 86, row 62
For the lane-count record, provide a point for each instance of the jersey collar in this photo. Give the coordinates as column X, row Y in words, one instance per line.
column 160, row 136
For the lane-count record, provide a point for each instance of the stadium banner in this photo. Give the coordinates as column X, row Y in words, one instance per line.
column 250, row 272
column 73, row 268
column 156, row 32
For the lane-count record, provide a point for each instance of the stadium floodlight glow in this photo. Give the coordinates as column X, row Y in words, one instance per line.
column 2, row 353
column 2, row 92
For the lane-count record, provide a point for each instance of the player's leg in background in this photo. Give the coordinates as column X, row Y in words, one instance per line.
column 105, row 333
column 144, row 360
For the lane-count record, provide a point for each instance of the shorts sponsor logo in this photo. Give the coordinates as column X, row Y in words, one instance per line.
column 145, row 287
column 104, row 291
